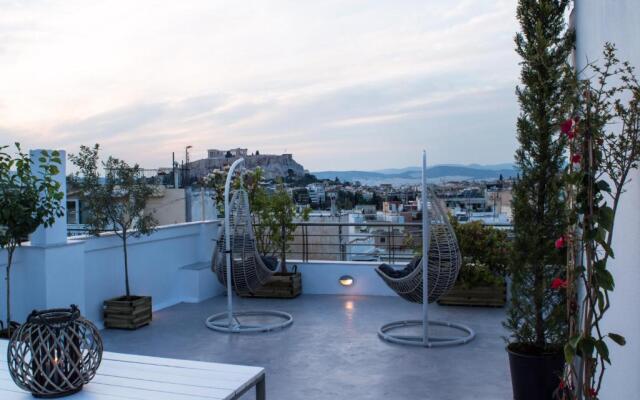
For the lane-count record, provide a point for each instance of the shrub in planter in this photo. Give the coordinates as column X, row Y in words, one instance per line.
column 536, row 318
column 28, row 199
column 116, row 202
column 485, row 256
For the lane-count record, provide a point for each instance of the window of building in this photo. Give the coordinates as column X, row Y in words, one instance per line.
column 73, row 216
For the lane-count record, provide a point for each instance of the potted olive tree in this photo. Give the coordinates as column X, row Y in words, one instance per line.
column 485, row 258
column 276, row 218
column 536, row 320
column 116, row 202
column 28, row 198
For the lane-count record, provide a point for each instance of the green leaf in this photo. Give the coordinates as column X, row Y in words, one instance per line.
column 605, row 217
column 586, row 345
column 569, row 353
column 605, row 279
column 603, row 350
column 601, row 303
column 603, row 185
column 619, row 339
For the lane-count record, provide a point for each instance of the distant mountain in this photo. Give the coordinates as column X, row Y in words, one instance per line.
column 413, row 174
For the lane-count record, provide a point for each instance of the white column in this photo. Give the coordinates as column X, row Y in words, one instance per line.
column 57, row 233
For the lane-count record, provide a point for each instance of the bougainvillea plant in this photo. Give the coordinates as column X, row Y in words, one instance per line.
column 604, row 147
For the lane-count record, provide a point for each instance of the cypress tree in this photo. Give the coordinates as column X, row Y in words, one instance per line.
column 536, row 317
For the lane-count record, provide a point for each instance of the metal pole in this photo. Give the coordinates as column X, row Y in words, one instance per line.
column 173, row 169
column 227, row 239
column 186, row 164
column 425, row 253
column 202, row 208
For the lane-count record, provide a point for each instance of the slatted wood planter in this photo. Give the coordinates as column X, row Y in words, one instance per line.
column 281, row 286
column 480, row 296
column 127, row 312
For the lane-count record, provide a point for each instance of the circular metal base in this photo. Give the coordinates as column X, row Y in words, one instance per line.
column 433, row 341
column 220, row 322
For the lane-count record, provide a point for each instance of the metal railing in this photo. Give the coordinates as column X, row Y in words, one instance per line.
column 168, row 177
column 342, row 241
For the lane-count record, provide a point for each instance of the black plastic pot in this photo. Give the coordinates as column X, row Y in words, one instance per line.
column 534, row 377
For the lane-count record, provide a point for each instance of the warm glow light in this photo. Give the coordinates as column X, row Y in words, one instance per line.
column 348, row 305
column 346, row 280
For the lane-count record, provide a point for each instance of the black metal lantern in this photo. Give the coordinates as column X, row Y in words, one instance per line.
column 54, row 353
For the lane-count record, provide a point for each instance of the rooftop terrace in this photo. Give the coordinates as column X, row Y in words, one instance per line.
column 332, row 350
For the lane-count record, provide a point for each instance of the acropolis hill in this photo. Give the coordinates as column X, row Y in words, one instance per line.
column 273, row 165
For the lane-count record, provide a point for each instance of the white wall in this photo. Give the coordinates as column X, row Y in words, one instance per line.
column 617, row 21
column 88, row 270
column 321, row 277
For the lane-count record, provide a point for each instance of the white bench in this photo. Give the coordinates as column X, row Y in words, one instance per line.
column 125, row 376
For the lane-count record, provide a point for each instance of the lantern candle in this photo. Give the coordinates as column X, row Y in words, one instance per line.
column 61, row 350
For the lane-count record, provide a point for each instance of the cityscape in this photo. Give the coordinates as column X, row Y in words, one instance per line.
column 351, row 221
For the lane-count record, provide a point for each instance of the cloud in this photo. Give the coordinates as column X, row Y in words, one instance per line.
column 111, row 123
column 324, row 80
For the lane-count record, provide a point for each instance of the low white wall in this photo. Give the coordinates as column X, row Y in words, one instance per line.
column 88, row 270
column 322, row 277
column 171, row 265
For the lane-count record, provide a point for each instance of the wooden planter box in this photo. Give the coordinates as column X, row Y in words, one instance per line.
column 127, row 312
column 281, row 286
column 480, row 296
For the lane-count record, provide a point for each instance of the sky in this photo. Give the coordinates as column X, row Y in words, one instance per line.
column 340, row 84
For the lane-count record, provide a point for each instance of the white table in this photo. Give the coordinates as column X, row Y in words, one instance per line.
column 125, row 376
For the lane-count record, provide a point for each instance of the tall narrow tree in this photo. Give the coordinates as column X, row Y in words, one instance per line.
column 536, row 318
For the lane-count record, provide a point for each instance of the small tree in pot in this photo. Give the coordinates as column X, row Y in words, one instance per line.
column 536, row 318
column 273, row 219
column 116, row 202
column 28, row 199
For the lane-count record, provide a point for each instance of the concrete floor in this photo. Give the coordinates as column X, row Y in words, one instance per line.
column 332, row 350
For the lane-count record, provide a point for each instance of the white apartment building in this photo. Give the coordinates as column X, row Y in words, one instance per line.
column 317, row 193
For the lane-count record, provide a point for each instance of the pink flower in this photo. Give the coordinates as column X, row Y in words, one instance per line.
column 566, row 126
column 560, row 242
column 569, row 128
column 558, row 283
column 576, row 158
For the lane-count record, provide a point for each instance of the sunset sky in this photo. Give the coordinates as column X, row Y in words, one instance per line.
column 340, row 84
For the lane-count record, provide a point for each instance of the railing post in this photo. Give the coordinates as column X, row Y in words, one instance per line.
column 340, row 245
column 283, row 248
column 389, row 247
column 305, row 243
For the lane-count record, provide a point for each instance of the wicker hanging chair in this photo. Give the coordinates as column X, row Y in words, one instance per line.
column 249, row 269
column 444, row 263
